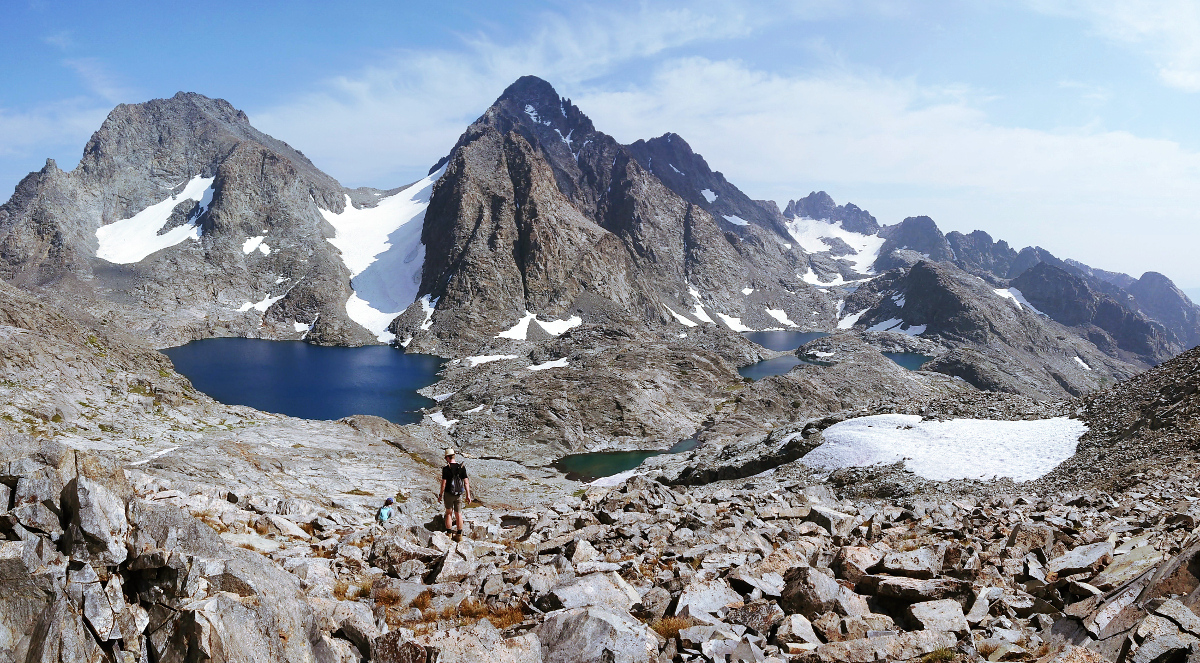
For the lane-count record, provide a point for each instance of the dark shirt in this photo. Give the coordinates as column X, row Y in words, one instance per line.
column 450, row 470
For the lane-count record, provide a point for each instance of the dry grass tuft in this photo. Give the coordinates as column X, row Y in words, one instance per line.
column 943, row 655
column 471, row 609
column 504, row 617
column 339, row 589
column 422, row 601
column 669, row 627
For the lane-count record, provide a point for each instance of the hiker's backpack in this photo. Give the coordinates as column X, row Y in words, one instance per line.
column 456, row 485
column 382, row 515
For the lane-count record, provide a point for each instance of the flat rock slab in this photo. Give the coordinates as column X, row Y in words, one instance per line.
column 708, row 596
column 594, row 635
column 942, row 615
column 603, row 590
column 1084, row 559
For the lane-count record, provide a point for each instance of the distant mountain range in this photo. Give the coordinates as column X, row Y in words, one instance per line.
column 182, row 221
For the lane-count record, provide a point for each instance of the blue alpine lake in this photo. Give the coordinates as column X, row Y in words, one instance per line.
column 783, row 341
column 780, row 341
column 309, row 381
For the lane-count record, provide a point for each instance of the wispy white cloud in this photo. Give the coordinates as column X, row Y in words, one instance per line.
column 69, row 122
column 62, row 39
column 394, row 119
column 1167, row 30
column 891, row 144
column 98, row 79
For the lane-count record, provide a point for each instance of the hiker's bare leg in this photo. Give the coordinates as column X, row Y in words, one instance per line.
column 458, row 516
column 448, row 514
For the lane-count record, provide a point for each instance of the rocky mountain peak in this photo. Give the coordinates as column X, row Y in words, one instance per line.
column 915, row 238
column 820, row 205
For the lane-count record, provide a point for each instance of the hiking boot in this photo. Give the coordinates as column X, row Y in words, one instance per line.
column 458, row 535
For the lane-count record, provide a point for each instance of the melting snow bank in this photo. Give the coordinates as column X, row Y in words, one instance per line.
column 381, row 246
column 520, row 331
column 557, row 363
column 948, row 450
column 132, row 240
column 614, row 480
column 1017, row 298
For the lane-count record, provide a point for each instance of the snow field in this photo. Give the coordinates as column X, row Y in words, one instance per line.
column 948, row 450
column 557, row 363
column 781, row 316
column 708, row 195
column 679, row 318
column 1083, row 364
column 808, row 234
column 895, row 325
column 134, row 239
column 485, row 359
column 733, row 323
column 441, row 420
column 736, row 220
column 381, row 246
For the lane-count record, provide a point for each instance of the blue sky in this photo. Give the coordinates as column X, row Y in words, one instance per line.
column 1067, row 124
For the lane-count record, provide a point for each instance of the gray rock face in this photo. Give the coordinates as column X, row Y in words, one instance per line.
column 918, row 234
column 526, row 220
column 1162, row 302
column 673, row 162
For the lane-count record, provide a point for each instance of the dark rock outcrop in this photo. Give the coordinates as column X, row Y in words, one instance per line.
column 992, row 341
column 1068, row 300
column 916, row 236
column 538, row 211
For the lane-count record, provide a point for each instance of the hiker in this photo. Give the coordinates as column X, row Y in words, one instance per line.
column 384, row 512
column 455, row 485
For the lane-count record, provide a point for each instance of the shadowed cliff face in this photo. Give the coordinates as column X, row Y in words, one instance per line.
column 1068, row 300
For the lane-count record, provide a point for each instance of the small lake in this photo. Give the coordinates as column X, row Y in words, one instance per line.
column 768, row 367
column 783, row 341
column 309, row 381
column 592, row 466
column 910, row 360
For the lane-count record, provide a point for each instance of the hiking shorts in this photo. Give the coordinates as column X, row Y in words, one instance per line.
column 453, row 502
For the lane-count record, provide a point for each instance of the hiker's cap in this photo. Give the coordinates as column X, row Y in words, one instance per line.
column 388, row 501
column 449, row 452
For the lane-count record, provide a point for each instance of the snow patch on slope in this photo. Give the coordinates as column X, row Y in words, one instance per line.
column 557, row 363
column 734, row 323
column 708, row 195
column 948, row 450
column 134, row 239
column 698, row 310
column 1017, row 298
column 520, row 331
column 381, row 246
column 781, row 316
column 679, row 318
column 808, row 234
column 736, row 220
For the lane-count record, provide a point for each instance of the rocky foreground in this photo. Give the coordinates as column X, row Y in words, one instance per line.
column 107, row 564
